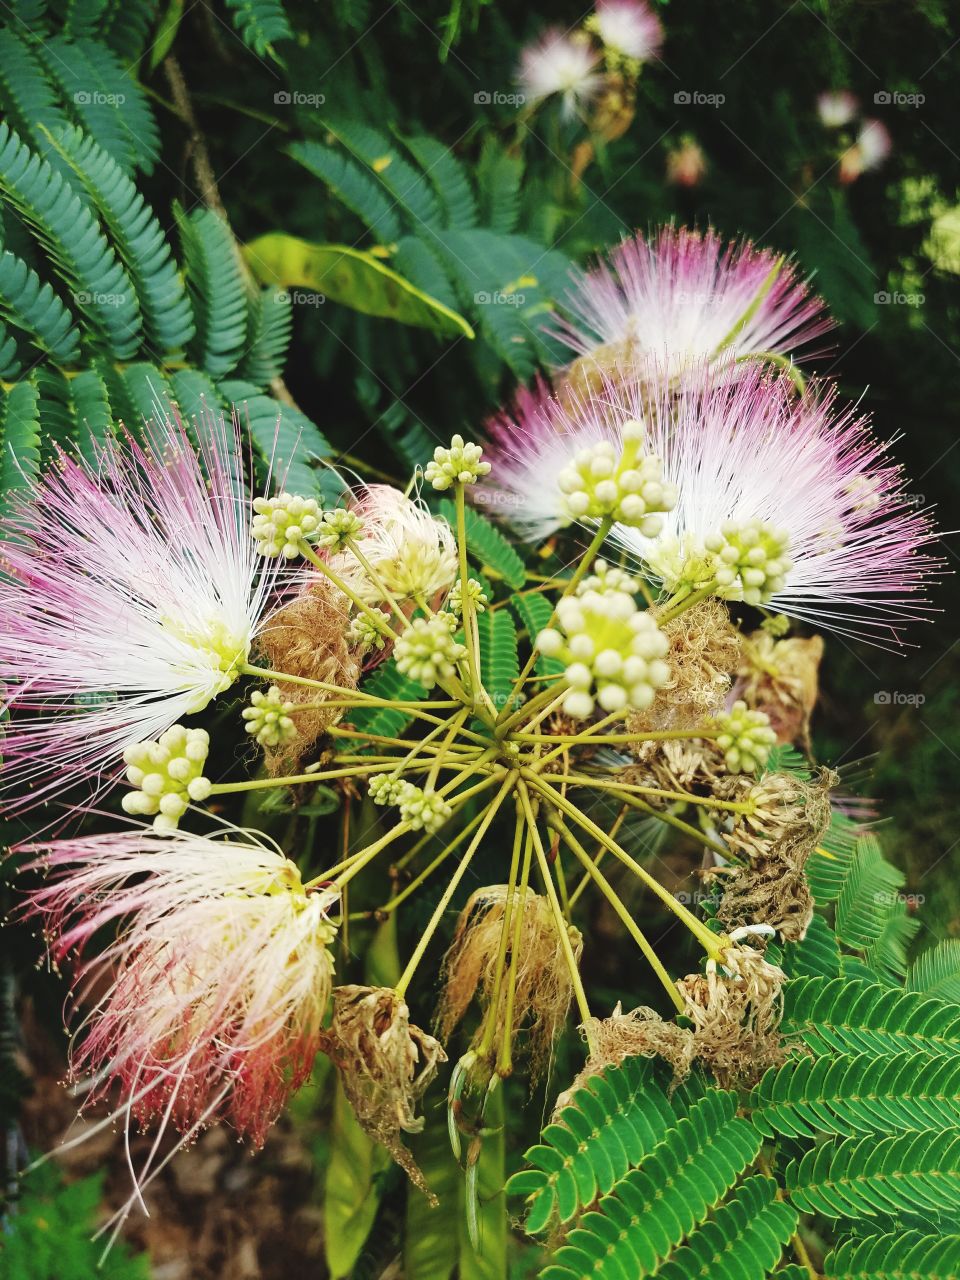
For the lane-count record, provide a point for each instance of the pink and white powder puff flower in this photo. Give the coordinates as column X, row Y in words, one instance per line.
column 628, row 28
column 785, row 501
column 560, row 64
column 684, row 296
column 837, row 107
column 130, row 594
column 532, row 447
column 208, row 1004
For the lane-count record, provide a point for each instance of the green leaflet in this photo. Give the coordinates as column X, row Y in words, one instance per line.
column 909, row 1175
column 851, row 1094
column 350, row 276
column 610, row 1125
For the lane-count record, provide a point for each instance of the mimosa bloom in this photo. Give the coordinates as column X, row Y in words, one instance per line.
column 843, row 543
column 413, row 553
column 208, row 1004
column 684, row 296
column 836, row 108
column 130, row 593
column 627, row 27
column 560, row 64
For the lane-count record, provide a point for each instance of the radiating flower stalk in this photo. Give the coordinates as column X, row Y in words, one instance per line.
column 717, row 484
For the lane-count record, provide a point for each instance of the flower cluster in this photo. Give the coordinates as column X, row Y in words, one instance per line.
column 268, row 717
column 460, row 464
column 745, row 738
column 626, row 485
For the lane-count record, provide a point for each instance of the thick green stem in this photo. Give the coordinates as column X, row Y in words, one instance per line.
column 710, row 942
column 505, row 1054
column 561, row 925
column 443, row 904
column 626, row 918
column 490, row 1024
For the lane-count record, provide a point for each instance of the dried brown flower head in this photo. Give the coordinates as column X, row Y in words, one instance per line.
column 736, row 1015
column 780, row 677
column 788, row 821
column 385, row 1065
column 704, row 655
column 543, row 989
column 307, row 638
column 641, row 1032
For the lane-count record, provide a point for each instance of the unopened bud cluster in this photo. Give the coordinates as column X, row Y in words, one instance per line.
column 746, row 738
column 281, row 524
column 427, row 650
column 460, row 464
column 268, row 718
column 475, row 594
column 607, row 577
column 612, row 650
column 625, row 484
column 168, row 774
column 338, row 527
column 421, row 810
column 750, row 560
column 364, row 634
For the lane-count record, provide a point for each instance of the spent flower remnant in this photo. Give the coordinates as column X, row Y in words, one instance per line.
column 684, row 296
column 130, row 596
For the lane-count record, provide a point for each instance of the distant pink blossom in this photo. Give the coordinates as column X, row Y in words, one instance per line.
column 628, row 27
column 871, row 149
column 837, row 107
column 681, row 296
column 561, row 64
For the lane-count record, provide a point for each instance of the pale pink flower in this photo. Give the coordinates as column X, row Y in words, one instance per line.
column 743, row 451
column 629, row 28
column 871, row 149
column 683, row 296
column 207, row 1006
column 413, row 552
column 560, row 64
column 686, row 164
column 837, row 107
column 130, row 594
